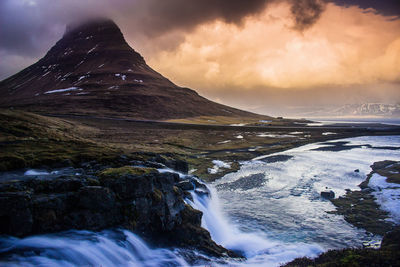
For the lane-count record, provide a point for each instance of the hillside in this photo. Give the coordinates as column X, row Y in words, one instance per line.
column 92, row 70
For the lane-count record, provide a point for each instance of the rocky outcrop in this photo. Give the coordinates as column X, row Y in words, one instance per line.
column 329, row 194
column 139, row 199
column 387, row 255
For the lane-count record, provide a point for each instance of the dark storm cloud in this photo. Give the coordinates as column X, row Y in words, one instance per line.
column 385, row 7
column 28, row 28
column 306, row 12
column 160, row 16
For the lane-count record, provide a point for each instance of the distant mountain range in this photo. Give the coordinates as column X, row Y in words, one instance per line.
column 348, row 110
column 369, row 109
column 92, row 70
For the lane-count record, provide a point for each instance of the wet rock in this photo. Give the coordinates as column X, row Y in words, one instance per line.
column 96, row 198
column 202, row 193
column 139, row 199
column 328, row 194
column 367, row 190
column 356, row 170
column 187, row 195
column 62, row 184
column 186, row 185
column 175, row 164
column 392, row 239
column 15, row 213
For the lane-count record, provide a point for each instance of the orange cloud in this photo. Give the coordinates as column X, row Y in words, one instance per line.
column 346, row 46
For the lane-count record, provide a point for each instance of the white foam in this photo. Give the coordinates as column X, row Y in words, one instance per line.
column 239, row 136
column 258, row 249
column 287, row 196
column 218, row 164
column 275, row 135
column 328, row 133
column 85, row 248
column 387, row 195
column 36, row 172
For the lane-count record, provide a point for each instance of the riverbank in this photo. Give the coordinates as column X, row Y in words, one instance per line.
column 91, row 146
column 361, row 207
column 387, row 255
column 31, row 140
column 374, row 210
column 148, row 200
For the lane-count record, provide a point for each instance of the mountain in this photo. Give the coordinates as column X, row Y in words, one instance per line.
column 92, row 70
column 383, row 110
column 369, row 109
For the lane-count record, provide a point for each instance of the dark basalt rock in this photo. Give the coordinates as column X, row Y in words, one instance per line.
column 186, row 185
column 328, row 194
column 175, row 164
column 149, row 203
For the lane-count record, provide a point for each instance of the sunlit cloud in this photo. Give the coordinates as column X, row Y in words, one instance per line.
column 346, row 46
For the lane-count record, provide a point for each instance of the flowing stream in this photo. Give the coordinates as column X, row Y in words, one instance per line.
column 270, row 211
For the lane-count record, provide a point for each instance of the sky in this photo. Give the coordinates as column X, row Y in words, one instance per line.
column 268, row 56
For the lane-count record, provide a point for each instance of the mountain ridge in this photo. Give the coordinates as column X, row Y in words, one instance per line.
column 92, row 70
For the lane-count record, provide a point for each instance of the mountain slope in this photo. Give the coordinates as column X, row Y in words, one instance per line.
column 92, row 70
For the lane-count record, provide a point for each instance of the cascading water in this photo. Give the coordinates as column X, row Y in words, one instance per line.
column 255, row 246
column 275, row 214
column 85, row 248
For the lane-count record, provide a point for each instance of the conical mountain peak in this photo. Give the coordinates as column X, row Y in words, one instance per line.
column 97, row 24
column 93, row 70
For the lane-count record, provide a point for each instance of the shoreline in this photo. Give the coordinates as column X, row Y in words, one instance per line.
column 35, row 141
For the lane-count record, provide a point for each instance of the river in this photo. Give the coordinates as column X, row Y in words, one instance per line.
column 270, row 211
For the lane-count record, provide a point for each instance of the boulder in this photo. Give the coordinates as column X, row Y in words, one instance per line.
column 139, row 199
column 185, row 185
column 328, row 194
column 15, row 213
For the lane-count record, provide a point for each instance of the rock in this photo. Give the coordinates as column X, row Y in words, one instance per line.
column 202, row 193
column 356, row 170
column 139, row 199
column 187, row 195
column 96, row 198
column 392, row 239
column 328, row 194
column 15, row 213
column 185, row 185
column 367, row 190
column 64, row 184
column 175, row 164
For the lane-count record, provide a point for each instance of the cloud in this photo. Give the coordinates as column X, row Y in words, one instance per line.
column 306, row 12
column 29, row 27
column 261, row 49
column 266, row 53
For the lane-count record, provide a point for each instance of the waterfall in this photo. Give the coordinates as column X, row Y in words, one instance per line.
column 123, row 248
column 255, row 246
column 84, row 248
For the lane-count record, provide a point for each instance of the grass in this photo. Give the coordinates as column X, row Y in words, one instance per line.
column 29, row 140
column 125, row 170
column 249, row 121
